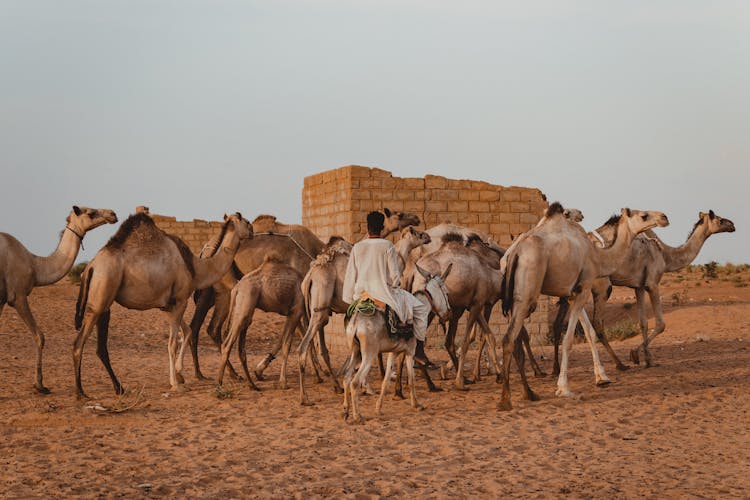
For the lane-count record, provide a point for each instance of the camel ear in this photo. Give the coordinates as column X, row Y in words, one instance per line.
column 424, row 273
column 711, row 214
column 76, row 210
column 386, row 212
column 447, row 271
column 239, row 215
column 225, row 217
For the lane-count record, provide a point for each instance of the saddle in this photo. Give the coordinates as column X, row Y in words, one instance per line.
column 368, row 305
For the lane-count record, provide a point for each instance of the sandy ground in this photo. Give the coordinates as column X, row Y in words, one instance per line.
column 680, row 429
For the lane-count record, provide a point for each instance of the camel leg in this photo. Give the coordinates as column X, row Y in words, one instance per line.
column 236, row 324
column 588, row 329
column 386, row 381
column 22, row 307
column 476, row 375
column 576, row 313
column 102, row 335
column 286, row 335
column 263, row 364
column 518, row 354
column 640, row 298
column 488, row 337
column 470, row 322
column 326, row 357
column 398, row 393
column 659, row 326
column 450, row 336
column 174, row 334
column 83, row 333
column 518, row 316
column 600, row 299
column 242, row 353
column 557, row 328
column 202, row 306
column 538, row 372
column 412, row 384
column 360, row 380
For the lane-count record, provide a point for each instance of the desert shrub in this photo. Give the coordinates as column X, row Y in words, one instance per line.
column 74, row 275
column 680, row 297
column 222, row 392
column 710, row 270
column 622, row 330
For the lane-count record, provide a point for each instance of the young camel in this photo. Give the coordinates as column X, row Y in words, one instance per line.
column 273, row 287
column 21, row 271
column 649, row 258
column 323, row 289
column 368, row 336
column 556, row 258
column 142, row 267
column 291, row 244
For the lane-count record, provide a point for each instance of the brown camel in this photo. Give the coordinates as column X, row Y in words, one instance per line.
column 368, row 336
column 292, row 244
column 649, row 258
column 21, row 271
column 556, row 258
column 323, row 288
column 142, row 267
column 273, row 287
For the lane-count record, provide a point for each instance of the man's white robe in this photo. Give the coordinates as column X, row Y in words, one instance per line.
column 374, row 267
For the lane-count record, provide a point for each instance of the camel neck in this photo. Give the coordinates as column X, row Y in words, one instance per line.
column 678, row 257
column 51, row 269
column 210, row 270
column 610, row 258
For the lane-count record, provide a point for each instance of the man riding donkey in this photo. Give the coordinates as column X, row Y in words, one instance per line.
column 374, row 273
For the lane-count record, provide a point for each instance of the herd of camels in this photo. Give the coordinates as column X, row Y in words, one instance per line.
column 286, row 269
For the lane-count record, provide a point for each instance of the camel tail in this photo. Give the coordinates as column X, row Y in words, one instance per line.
column 509, row 285
column 307, row 294
column 83, row 297
column 355, row 357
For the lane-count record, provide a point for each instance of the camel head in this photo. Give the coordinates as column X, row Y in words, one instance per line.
column 437, row 292
column 415, row 236
column 714, row 224
column 242, row 227
column 396, row 221
column 573, row 214
column 641, row 220
column 83, row 219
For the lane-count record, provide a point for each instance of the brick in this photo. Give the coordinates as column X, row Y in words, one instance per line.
column 519, row 206
column 531, row 195
column 468, row 195
column 379, row 172
column 489, row 195
column 500, row 206
column 401, row 194
column 382, row 195
column 436, row 206
column 413, row 183
column 479, row 206
column 467, row 218
column 529, row 218
column 499, row 229
column 458, row 206
column 485, row 217
column 435, row 182
column 361, row 194
column 446, row 217
column 508, row 195
column 445, row 194
column 393, row 204
column 516, row 229
column 414, row 206
column 422, row 195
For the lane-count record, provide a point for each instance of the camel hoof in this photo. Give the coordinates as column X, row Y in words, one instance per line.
column 356, row 421
column 120, row 391
column 435, row 389
column 200, row 376
column 419, row 408
column 283, row 386
column 41, row 389
column 603, row 383
column 179, row 388
column 306, row 403
column 398, row 395
column 258, row 375
column 82, row 395
column 532, row 396
column 504, row 406
column 564, row 393
column 461, row 388
column 338, row 390
column 623, row 368
column 180, row 378
column 540, row 374
column 634, row 357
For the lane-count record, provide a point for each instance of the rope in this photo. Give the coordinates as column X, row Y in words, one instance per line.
column 364, row 307
column 291, row 238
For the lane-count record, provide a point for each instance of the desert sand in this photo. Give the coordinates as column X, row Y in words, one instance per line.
column 680, row 429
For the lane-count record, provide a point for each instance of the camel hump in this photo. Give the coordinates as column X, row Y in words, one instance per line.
column 452, row 237
column 140, row 221
column 264, row 223
column 555, row 208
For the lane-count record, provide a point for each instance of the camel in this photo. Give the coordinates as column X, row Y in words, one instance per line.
column 556, row 258
column 21, row 271
column 649, row 258
column 142, row 267
column 292, row 244
column 368, row 336
column 273, row 287
column 323, row 288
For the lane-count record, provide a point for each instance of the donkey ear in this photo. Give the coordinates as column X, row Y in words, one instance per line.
column 76, row 210
column 447, row 271
column 424, row 273
column 386, row 212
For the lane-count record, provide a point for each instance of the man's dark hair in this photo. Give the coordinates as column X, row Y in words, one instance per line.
column 375, row 221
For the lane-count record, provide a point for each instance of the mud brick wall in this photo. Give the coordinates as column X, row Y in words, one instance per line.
column 336, row 202
column 195, row 232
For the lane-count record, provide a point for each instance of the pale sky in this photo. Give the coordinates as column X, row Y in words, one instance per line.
column 200, row 108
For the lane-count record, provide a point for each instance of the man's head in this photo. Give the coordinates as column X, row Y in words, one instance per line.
column 375, row 222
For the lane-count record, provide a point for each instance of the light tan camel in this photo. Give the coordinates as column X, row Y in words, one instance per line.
column 556, row 258
column 368, row 336
column 292, row 244
column 649, row 258
column 273, row 287
column 21, row 271
column 142, row 267
column 323, row 288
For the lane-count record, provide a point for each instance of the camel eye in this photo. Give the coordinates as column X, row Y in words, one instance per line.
column 644, row 217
